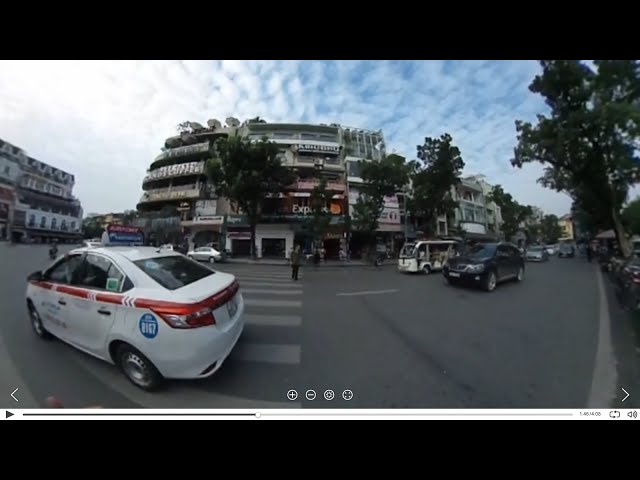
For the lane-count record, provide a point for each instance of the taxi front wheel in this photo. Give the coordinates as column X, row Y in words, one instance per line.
column 138, row 368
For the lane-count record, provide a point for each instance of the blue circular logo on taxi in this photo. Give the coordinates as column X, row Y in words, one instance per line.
column 148, row 326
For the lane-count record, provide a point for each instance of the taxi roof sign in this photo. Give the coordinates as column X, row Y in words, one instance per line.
column 115, row 235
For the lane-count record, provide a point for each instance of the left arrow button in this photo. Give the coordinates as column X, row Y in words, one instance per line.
column 13, row 394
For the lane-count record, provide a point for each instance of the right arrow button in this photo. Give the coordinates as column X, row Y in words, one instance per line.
column 626, row 396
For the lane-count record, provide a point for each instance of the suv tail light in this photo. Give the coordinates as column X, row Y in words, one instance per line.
column 197, row 314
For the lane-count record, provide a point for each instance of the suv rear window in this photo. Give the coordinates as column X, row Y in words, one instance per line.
column 174, row 271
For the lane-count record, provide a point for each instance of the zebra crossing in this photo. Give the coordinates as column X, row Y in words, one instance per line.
column 262, row 367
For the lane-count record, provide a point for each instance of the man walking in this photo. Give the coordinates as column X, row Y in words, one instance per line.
column 295, row 262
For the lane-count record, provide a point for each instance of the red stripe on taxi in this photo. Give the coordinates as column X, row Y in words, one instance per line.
column 118, row 299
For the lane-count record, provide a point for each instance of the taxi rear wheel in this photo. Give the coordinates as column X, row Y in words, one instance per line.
column 138, row 368
column 36, row 323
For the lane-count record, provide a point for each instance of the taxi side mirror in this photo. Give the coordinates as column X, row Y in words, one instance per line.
column 35, row 276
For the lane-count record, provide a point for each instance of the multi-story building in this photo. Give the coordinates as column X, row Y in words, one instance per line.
column 368, row 145
column 177, row 199
column 312, row 152
column 103, row 220
column 476, row 216
column 44, row 207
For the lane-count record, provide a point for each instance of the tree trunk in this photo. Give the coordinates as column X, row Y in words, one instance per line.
column 618, row 228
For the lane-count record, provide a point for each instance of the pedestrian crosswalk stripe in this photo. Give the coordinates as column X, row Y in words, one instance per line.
column 287, row 280
column 267, row 284
column 261, row 320
column 266, row 291
column 258, row 302
column 266, row 353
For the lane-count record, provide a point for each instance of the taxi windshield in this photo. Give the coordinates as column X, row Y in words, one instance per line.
column 173, row 272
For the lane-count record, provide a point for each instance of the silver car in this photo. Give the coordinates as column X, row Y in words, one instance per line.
column 205, row 254
column 537, row 254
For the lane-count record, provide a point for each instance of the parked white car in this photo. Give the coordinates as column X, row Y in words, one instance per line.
column 205, row 254
column 153, row 313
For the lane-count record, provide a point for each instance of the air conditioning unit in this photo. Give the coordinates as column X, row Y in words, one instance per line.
column 318, row 162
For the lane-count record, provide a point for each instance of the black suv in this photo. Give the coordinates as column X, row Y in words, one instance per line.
column 486, row 265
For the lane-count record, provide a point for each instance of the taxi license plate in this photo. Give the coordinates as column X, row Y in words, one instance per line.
column 232, row 307
column 454, row 274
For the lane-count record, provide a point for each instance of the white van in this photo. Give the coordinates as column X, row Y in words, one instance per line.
column 426, row 256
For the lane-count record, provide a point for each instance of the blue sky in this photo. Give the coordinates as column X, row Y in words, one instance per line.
column 106, row 121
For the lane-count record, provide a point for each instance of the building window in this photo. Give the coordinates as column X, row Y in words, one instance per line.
column 63, row 225
column 7, row 170
column 43, row 222
column 73, row 226
column 32, row 220
column 53, row 224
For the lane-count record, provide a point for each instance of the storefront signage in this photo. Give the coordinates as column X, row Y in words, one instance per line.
column 176, row 194
column 332, row 185
column 328, row 149
column 298, row 218
column 237, row 220
column 335, row 209
column 390, row 216
column 192, row 168
column 389, row 202
column 211, row 220
column 239, row 235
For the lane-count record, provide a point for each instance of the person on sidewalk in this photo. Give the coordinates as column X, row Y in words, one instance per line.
column 295, row 262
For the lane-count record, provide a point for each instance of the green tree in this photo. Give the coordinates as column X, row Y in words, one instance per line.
column 631, row 216
column 382, row 178
column 129, row 216
column 91, row 228
column 246, row 172
column 589, row 141
column 513, row 214
column 439, row 169
column 550, row 229
column 319, row 201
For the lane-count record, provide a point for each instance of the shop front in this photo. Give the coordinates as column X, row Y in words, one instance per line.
column 274, row 240
column 204, row 230
column 7, row 200
column 238, row 235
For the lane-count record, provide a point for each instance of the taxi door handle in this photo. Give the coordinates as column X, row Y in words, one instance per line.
column 104, row 311
column 62, row 302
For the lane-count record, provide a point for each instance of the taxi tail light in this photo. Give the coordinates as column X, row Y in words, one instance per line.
column 185, row 317
column 198, row 315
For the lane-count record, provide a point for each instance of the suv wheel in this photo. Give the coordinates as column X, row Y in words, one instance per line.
column 490, row 281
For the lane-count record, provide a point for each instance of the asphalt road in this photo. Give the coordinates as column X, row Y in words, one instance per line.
column 411, row 342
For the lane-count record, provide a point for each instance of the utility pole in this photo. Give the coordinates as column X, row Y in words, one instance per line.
column 404, row 202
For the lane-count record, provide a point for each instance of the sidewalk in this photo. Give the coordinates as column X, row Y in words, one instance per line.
column 285, row 263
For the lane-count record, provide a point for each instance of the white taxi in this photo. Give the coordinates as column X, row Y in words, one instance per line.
column 154, row 313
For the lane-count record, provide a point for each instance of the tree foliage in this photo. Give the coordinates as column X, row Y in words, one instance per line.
column 631, row 216
column 589, row 141
column 184, row 127
column 550, row 229
column 381, row 178
column 320, row 200
column 432, row 177
column 247, row 172
column 513, row 214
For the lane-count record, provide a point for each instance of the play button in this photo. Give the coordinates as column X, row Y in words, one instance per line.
column 9, row 414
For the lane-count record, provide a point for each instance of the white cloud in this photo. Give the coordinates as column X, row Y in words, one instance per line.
column 105, row 121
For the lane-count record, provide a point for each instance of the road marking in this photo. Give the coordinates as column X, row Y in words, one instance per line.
column 267, row 291
column 279, row 281
column 272, row 320
column 265, row 353
column 292, row 285
column 258, row 302
column 604, row 380
column 367, row 292
column 179, row 394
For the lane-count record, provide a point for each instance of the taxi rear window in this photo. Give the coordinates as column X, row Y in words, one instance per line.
column 173, row 272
